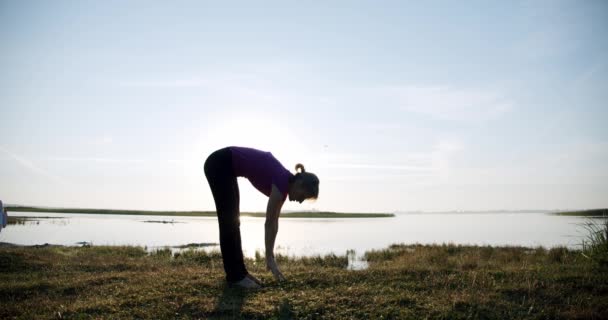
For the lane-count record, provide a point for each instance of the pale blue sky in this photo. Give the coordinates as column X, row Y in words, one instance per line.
column 394, row 105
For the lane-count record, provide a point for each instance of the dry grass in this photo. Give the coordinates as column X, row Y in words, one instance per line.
column 403, row 282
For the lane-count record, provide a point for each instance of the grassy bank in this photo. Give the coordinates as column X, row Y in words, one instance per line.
column 585, row 213
column 405, row 282
column 316, row 214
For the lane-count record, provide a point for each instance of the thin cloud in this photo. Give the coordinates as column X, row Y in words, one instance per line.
column 541, row 44
column 98, row 160
column 379, row 167
column 118, row 161
column 382, row 178
column 218, row 81
column 433, row 164
column 31, row 166
column 176, row 83
column 583, row 80
column 228, row 89
column 445, row 102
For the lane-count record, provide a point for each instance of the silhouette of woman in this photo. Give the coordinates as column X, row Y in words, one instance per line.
column 268, row 176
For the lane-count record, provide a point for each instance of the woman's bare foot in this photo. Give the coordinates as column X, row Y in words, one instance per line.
column 256, row 280
column 247, row 283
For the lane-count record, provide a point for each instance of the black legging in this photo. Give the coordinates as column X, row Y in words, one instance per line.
column 221, row 178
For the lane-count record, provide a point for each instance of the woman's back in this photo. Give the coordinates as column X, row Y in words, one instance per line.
column 261, row 168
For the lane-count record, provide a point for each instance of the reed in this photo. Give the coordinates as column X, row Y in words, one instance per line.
column 595, row 245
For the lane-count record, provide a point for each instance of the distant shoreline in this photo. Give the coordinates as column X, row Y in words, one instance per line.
column 585, row 213
column 313, row 214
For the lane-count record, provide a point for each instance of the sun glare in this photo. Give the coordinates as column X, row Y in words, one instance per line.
column 262, row 132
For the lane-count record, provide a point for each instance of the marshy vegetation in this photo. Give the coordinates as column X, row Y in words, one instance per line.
column 22, row 220
column 403, row 281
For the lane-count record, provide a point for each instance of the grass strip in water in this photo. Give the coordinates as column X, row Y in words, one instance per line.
column 306, row 214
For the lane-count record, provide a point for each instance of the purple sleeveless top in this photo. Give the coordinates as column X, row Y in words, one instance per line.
column 261, row 168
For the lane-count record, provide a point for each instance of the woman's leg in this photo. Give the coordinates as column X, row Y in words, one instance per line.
column 225, row 190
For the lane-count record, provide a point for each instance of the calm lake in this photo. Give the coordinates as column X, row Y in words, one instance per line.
column 301, row 236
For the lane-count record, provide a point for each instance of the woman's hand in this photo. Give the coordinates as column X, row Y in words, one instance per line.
column 271, row 264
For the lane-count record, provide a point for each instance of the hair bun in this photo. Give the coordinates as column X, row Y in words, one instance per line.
column 301, row 167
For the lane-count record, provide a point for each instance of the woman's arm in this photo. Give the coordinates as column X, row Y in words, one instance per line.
column 273, row 210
